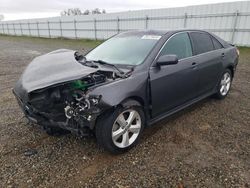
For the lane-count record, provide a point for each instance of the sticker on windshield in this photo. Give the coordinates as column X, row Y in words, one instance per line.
column 151, row 37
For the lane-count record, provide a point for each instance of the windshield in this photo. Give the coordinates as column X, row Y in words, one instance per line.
column 127, row 50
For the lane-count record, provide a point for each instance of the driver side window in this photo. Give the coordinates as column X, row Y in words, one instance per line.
column 179, row 45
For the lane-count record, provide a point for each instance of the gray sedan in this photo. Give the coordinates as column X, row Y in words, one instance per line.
column 130, row 81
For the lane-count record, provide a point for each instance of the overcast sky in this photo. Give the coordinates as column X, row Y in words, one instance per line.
column 23, row 9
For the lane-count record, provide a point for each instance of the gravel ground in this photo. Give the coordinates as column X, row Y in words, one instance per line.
column 206, row 145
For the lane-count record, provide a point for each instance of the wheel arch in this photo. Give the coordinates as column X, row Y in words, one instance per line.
column 129, row 101
column 133, row 100
column 137, row 101
column 231, row 68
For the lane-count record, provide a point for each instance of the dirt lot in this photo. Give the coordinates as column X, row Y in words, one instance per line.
column 207, row 145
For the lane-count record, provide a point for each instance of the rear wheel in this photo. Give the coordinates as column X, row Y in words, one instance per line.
column 120, row 130
column 224, row 85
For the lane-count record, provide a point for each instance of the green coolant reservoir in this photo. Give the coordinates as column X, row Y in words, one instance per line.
column 78, row 84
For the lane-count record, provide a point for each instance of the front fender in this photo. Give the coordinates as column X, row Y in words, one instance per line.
column 116, row 92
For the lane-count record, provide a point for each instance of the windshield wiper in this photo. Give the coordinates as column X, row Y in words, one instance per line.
column 109, row 64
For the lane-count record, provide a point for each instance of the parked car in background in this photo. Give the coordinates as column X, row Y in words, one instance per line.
column 123, row 85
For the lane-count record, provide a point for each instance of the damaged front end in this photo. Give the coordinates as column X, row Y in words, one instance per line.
column 68, row 104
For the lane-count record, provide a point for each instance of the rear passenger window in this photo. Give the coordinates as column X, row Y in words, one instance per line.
column 179, row 45
column 217, row 44
column 202, row 42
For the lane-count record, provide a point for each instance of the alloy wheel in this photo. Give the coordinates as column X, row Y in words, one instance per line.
column 225, row 84
column 126, row 128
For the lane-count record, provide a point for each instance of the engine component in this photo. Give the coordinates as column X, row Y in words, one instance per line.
column 69, row 112
column 79, row 84
column 81, row 105
column 88, row 81
column 70, row 103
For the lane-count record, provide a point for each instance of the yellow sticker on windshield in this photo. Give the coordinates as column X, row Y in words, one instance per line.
column 151, row 37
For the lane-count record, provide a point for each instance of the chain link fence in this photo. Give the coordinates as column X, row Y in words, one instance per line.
column 229, row 26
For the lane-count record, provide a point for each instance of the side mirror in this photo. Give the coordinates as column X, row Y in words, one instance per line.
column 167, row 60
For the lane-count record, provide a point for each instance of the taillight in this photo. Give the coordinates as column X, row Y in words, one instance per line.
column 238, row 51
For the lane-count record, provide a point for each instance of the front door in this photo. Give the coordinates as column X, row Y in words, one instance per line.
column 174, row 85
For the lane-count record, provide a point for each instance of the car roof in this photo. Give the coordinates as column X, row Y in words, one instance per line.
column 167, row 32
column 157, row 32
column 142, row 32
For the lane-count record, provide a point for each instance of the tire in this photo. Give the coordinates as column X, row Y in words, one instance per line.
column 116, row 135
column 224, row 85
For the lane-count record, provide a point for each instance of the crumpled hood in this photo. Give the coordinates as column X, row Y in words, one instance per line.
column 50, row 69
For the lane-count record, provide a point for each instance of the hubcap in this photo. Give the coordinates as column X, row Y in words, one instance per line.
column 225, row 84
column 126, row 128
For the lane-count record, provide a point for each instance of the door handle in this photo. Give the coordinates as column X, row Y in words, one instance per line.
column 194, row 65
column 223, row 55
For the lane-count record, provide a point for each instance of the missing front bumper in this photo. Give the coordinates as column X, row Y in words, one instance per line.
column 41, row 119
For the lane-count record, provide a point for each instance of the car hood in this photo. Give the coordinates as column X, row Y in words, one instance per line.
column 50, row 69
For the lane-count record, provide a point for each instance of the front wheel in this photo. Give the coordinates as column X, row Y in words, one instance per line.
column 120, row 130
column 224, row 85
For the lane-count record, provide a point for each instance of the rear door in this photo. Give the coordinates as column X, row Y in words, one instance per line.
column 209, row 55
column 173, row 85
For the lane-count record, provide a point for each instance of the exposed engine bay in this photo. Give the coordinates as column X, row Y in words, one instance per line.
column 56, row 89
column 70, row 103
